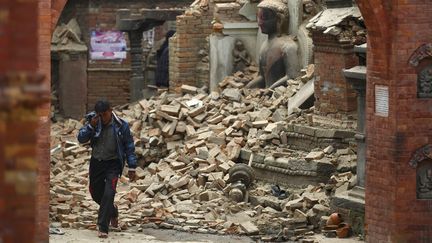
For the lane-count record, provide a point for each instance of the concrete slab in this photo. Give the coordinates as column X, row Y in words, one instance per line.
column 301, row 96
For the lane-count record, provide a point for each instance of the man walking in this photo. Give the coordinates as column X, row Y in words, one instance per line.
column 112, row 144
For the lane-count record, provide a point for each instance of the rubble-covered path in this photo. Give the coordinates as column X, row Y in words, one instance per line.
column 158, row 235
column 148, row 235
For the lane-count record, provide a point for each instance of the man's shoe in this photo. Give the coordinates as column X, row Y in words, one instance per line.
column 114, row 222
column 114, row 219
column 102, row 235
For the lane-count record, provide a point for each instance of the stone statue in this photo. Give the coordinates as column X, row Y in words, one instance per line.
column 425, row 182
column 278, row 58
column 241, row 57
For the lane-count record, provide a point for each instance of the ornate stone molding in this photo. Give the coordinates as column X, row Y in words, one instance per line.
column 421, row 53
column 421, row 154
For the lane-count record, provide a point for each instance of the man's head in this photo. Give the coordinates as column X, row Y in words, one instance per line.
column 104, row 111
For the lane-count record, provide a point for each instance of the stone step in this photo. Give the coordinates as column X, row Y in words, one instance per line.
column 357, row 72
column 357, row 192
column 301, row 96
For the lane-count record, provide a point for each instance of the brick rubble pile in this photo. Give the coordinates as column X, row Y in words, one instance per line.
column 186, row 145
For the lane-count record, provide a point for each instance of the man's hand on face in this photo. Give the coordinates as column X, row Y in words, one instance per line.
column 131, row 175
column 94, row 121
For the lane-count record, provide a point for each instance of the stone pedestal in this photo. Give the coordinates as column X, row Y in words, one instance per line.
column 351, row 205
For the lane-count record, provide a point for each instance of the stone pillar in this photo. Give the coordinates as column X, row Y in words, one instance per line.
column 137, row 76
column 356, row 77
column 73, row 84
column 360, row 87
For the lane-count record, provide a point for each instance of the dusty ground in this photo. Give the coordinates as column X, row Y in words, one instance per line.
column 158, row 235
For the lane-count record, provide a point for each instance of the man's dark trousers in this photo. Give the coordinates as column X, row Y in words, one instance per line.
column 103, row 181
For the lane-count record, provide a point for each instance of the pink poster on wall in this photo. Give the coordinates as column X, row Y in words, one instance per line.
column 107, row 45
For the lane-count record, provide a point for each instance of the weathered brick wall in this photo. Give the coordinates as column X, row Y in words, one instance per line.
column 395, row 30
column 113, row 84
column 332, row 92
column 192, row 29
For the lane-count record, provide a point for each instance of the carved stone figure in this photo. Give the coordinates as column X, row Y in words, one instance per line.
column 425, row 181
column 278, row 58
column 425, row 82
column 241, row 56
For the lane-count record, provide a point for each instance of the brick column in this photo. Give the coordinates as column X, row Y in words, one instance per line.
column 192, row 30
column 43, row 132
column 333, row 94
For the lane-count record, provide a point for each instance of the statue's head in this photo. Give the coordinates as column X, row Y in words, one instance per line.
column 239, row 45
column 273, row 16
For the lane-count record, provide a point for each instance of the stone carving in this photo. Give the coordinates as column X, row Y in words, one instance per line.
column 424, row 181
column 424, row 82
column 421, row 154
column 241, row 56
column 424, row 171
column 421, row 53
column 278, row 58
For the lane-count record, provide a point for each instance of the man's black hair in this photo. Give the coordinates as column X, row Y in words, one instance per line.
column 102, row 106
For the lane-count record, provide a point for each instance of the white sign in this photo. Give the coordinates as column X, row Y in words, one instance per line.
column 381, row 100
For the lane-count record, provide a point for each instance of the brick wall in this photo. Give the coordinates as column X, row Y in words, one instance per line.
column 332, row 92
column 113, row 84
column 396, row 29
column 43, row 144
column 192, row 29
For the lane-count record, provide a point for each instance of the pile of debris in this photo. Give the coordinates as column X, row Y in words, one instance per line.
column 186, row 145
column 346, row 24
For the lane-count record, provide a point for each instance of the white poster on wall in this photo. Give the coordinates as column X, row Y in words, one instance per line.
column 107, row 45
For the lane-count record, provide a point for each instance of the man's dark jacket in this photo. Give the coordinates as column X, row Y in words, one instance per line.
column 124, row 140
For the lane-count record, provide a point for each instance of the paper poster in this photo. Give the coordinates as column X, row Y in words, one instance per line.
column 107, row 45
